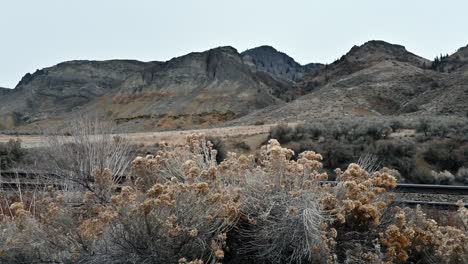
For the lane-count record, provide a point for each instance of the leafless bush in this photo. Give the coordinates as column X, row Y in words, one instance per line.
column 369, row 163
column 178, row 208
column 90, row 148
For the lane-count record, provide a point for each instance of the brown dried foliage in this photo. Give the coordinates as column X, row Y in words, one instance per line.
column 180, row 206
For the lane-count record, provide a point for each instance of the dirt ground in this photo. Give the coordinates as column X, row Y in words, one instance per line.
column 175, row 137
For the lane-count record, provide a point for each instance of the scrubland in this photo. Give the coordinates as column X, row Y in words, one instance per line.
column 431, row 150
column 182, row 204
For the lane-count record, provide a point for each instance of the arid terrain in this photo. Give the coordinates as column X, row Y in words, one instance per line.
column 175, row 137
column 222, row 87
column 232, row 157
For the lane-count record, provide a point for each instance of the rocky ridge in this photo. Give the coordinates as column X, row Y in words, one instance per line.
column 200, row 88
column 268, row 59
column 378, row 79
column 222, row 86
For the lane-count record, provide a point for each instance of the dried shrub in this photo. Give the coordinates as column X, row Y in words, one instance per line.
column 40, row 228
column 74, row 159
column 181, row 206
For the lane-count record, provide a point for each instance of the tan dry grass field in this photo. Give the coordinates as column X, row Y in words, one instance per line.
column 178, row 136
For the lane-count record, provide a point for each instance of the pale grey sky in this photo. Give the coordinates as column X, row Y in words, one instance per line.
column 36, row 34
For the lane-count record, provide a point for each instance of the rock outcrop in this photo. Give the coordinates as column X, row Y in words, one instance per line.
column 268, row 59
column 215, row 84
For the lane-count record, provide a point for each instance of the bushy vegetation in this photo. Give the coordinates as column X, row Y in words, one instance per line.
column 441, row 144
column 181, row 206
column 11, row 153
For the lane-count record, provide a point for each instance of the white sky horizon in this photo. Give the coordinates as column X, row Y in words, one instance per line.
column 38, row 34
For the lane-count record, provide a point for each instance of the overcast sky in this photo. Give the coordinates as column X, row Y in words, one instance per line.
column 36, row 34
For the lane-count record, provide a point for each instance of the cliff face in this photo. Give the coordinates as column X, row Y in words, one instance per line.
column 214, row 84
column 197, row 89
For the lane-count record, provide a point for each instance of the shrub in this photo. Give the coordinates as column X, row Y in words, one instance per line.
column 181, row 206
column 11, row 153
column 75, row 159
column 423, row 126
column 282, row 132
column 444, row 155
column 396, row 125
column 443, row 177
column 397, row 154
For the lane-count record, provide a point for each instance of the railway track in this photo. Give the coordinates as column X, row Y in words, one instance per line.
column 432, row 188
column 428, row 191
column 455, row 192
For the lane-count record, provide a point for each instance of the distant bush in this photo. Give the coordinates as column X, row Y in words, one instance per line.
column 346, row 130
column 423, row 126
column 397, row 154
column 283, row 133
column 445, row 155
column 11, row 153
column 442, row 177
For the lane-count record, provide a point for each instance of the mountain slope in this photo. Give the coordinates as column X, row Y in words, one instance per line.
column 221, row 86
column 376, row 78
column 268, row 59
column 4, row 91
column 196, row 89
column 454, row 62
column 63, row 88
column 358, row 58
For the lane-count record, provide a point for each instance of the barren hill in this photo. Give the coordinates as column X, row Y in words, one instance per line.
column 358, row 58
column 196, row 89
column 54, row 91
column 221, row 86
column 377, row 78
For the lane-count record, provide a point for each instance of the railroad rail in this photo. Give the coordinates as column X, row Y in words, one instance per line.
column 20, row 176
column 425, row 204
column 432, row 188
column 424, row 188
